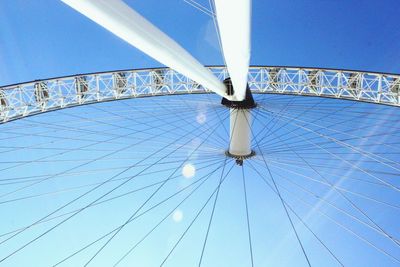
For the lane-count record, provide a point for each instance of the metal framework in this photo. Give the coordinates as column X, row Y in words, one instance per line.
column 24, row 99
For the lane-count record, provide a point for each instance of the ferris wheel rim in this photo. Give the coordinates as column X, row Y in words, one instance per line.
column 39, row 96
column 207, row 66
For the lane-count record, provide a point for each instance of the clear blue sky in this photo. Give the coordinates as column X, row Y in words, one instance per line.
column 45, row 38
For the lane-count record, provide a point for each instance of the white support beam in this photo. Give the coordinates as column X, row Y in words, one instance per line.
column 127, row 24
column 234, row 23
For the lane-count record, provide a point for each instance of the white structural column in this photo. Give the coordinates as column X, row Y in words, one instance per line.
column 234, row 23
column 124, row 22
column 240, row 132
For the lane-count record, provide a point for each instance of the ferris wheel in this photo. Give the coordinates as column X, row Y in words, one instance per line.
column 189, row 165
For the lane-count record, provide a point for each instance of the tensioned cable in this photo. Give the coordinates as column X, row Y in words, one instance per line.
column 272, row 119
column 300, row 145
column 280, row 153
column 24, row 179
column 351, row 164
column 326, row 106
column 67, row 127
column 328, row 168
column 206, row 123
column 216, row 198
column 339, row 188
column 356, row 110
column 329, row 152
column 315, row 195
column 346, row 228
column 337, row 131
column 150, row 114
column 158, row 118
column 82, row 120
column 284, row 157
column 289, row 208
column 191, row 123
column 348, row 119
column 276, row 116
column 281, row 199
column 217, row 112
column 203, row 179
column 298, row 217
column 211, row 216
column 199, row 7
column 216, row 195
column 99, row 142
column 285, row 107
column 340, row 142
column 333, row 140
column 346, row 198
column 195, row 218
column 284, row 140
column 74, row 188
column 47, row 231
column 160, row 222
column 352, row 114
column 86, row 163
column 137, row 153
column 247, row 216
column 116, row 197
column 179, row 115
column 112, row 150
column 334, row 187
column 212, row 7
column 144, row 203
column 312, row 153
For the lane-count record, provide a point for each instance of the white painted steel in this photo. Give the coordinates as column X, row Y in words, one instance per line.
column 234, row 23
column 124, row 22
column 24, row 99
column 240, row 132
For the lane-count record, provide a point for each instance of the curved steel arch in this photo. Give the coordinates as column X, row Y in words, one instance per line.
column 24, row 99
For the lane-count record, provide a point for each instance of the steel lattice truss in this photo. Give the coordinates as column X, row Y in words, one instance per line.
column 20, row 100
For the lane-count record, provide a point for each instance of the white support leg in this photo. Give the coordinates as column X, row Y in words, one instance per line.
column 240, row 132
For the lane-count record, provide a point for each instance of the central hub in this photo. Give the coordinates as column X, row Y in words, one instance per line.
column 247, row 103
column 240, row 124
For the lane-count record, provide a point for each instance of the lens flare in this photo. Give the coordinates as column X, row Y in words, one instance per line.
column 177, row 216
column 188, row 171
